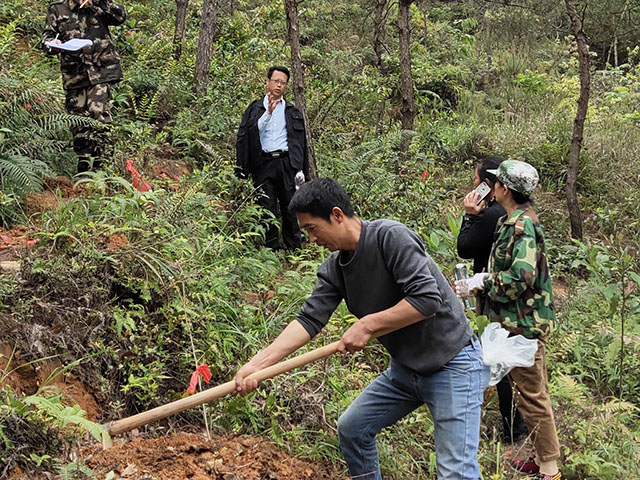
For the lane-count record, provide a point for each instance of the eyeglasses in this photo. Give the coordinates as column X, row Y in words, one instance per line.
column 279, row 82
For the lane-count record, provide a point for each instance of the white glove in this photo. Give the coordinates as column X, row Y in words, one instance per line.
column 466, row 286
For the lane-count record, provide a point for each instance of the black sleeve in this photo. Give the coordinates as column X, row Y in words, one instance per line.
column 305, row 147
column 115, row 14
column 242, row 142
column 464, row 244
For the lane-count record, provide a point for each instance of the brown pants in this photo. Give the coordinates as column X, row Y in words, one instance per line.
column 533, row 400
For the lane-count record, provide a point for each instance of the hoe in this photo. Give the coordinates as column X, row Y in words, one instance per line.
column 117, row 427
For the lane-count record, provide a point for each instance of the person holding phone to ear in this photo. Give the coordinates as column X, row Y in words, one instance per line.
column 481, row 216
column 474, row 241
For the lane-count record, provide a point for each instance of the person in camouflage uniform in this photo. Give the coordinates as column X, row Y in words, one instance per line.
column 519, row 289
column 519, row 296
column 87, row 75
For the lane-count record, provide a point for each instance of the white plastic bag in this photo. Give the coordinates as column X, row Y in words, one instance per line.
column 502, row 352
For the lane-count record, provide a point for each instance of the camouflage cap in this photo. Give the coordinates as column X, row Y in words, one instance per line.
column 517, row 175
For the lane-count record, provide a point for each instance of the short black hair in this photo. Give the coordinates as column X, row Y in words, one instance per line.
column 489, row 163
column 318, row 197
column 279, row 68
column 519, row 198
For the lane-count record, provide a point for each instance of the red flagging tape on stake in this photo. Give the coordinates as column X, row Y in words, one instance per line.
column 206, row 376
column 139, row 182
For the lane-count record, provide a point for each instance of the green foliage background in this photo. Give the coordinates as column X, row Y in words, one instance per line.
column 190, row 283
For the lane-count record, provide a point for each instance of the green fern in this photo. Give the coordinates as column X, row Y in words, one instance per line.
column 63, row 415
column 564, row 386
column 73, row 471
column 7, row 33
column 32, row 132
column 20, row 174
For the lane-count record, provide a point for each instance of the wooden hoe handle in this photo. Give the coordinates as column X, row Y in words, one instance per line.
column 124, row 425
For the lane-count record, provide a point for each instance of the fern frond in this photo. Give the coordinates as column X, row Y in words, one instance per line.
column 20, row 174
column 7, row 32
column 565, row 345
column 63, row 415
column 612, row 407
column 62, row 121
column 218, row 159
column 36, row 148
column 568, row 388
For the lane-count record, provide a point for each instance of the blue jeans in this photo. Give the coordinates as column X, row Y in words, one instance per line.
column 454, row 395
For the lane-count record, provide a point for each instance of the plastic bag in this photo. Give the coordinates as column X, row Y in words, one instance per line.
column 502, row 352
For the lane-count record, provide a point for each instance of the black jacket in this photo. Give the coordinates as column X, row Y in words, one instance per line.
column 248, row 147
column 476, row 235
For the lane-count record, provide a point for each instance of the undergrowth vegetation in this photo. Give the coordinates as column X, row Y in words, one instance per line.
column 135, row 289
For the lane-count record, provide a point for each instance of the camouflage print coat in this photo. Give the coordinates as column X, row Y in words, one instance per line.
column 98, row 63
column 519, row 285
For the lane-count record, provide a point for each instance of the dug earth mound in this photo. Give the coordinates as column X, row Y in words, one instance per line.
column 192, row 456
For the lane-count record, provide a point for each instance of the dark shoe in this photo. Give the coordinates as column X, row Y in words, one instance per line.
column 96, row 165
column 83, row 166
column 528, row 467
column 540, row 476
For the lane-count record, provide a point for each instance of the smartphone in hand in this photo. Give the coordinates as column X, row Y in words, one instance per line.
column 483, row 190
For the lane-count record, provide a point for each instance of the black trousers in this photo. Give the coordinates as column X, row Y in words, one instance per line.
column 513, row 424
column 275, row 181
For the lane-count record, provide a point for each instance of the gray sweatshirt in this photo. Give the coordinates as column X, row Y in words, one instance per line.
column 390, row 264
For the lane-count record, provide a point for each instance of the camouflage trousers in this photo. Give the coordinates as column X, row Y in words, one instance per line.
column 91, row 144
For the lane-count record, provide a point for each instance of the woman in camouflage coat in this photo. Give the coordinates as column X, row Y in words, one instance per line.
column 519, row 296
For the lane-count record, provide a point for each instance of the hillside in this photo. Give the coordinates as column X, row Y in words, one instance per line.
column 110, row 296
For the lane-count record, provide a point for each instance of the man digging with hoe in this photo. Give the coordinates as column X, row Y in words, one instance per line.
column 397, row 292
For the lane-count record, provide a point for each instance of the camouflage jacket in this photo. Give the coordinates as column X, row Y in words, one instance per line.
column 519, row 286
column 98, row 63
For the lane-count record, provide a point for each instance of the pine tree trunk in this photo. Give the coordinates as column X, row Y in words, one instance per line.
column 379, row 33
column 297, row 80
column 178, row 36
column 204, row 53
column 406, row 80
column 575, row 215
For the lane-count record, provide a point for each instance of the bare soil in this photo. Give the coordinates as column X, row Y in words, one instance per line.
column 56, row 192
column 192, row 456
column 13, row 242
column 27, row 378
column 169, row 167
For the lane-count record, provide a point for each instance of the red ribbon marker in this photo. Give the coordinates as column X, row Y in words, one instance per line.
column 139, row 183
column 206, row 376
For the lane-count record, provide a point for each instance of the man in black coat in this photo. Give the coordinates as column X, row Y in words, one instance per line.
column 272, row 148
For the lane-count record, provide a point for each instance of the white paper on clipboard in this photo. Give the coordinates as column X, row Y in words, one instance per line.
column 72, row 45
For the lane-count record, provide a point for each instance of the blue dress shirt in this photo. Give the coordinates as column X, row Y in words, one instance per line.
column 273, row 128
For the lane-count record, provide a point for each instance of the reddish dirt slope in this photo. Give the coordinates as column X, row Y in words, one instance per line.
column 190, row 456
